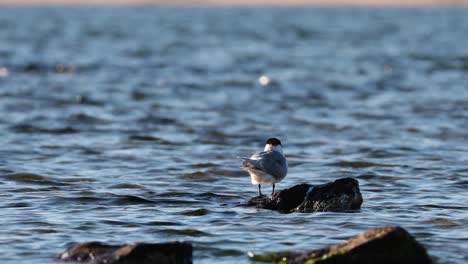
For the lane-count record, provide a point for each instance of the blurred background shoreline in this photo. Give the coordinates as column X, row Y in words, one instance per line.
column 241, row 2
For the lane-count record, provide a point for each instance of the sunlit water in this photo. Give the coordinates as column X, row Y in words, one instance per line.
column 126, row 124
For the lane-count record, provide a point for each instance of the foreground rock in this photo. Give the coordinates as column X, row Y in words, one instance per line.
column 385, row 245
column 140, row 253
column 342, row 194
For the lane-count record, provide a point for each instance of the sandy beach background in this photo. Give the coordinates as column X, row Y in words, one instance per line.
column 235, row 2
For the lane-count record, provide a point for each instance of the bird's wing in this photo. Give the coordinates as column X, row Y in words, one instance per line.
column 271, row 162
column 253, row 161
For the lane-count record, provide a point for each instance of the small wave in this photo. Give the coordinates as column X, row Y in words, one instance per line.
column 437, row 206
column 186, row 232
column 177, row 202
column 119, row 223
column 86, row 100
column 76, row 179
column 443, row 223
column 37, row 190
column 226, row 173
column 237, row 83
column 37, row 68
column 60, row 101
column 203, row 165
column 151, row 138
column 371, row 176
column 174, row 194
column 157, row 120
column 443, row 63
column 198, row 176
column 132, row 199
column 197, row 212
column 106, row 199
column 461, row 184
column 160, row 223
column 89, row 151
column 17, row 205
column 33, row 178
column 380, row 153
column 370, row 116
column 81, row 199
column 126, row 186
column 208, row 195
column 31, row 129
column 361, row 164
column 44, row 231
column 86, row 119
column 140, row 53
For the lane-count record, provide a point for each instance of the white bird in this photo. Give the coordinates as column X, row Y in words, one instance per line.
column 268, row 166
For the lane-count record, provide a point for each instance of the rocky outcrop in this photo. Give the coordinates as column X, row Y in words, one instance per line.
column 386, row 245
column 139, row 253
column 342, row 194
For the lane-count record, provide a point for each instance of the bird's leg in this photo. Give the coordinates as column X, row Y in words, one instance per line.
column 259, row 190
column 272, row 192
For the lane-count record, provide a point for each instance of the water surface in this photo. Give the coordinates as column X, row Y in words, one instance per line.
column 126, row 124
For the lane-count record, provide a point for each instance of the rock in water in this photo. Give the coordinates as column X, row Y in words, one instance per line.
column 139, row 253
column 385, row 245
column 342, row 194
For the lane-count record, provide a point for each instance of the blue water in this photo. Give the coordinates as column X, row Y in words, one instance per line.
column 117, row 124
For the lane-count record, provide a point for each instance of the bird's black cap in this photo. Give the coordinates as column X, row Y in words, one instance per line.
column 273, row 141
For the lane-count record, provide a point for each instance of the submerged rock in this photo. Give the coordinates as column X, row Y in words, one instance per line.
column 139, row 253
column 342, row 194
column 385, row 245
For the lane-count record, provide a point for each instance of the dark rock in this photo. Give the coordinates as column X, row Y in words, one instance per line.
column 385, row 245
column 342, row 194
column 139, row 253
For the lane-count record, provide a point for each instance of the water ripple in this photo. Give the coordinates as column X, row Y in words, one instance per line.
column 111, row 132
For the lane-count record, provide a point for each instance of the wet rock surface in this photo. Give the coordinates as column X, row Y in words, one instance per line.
column 342, row 194
column 141, row 253
column 390, row 244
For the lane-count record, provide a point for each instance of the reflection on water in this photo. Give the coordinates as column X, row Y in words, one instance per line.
column 124, row 125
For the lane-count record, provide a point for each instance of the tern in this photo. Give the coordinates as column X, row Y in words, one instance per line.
column 268, row 166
